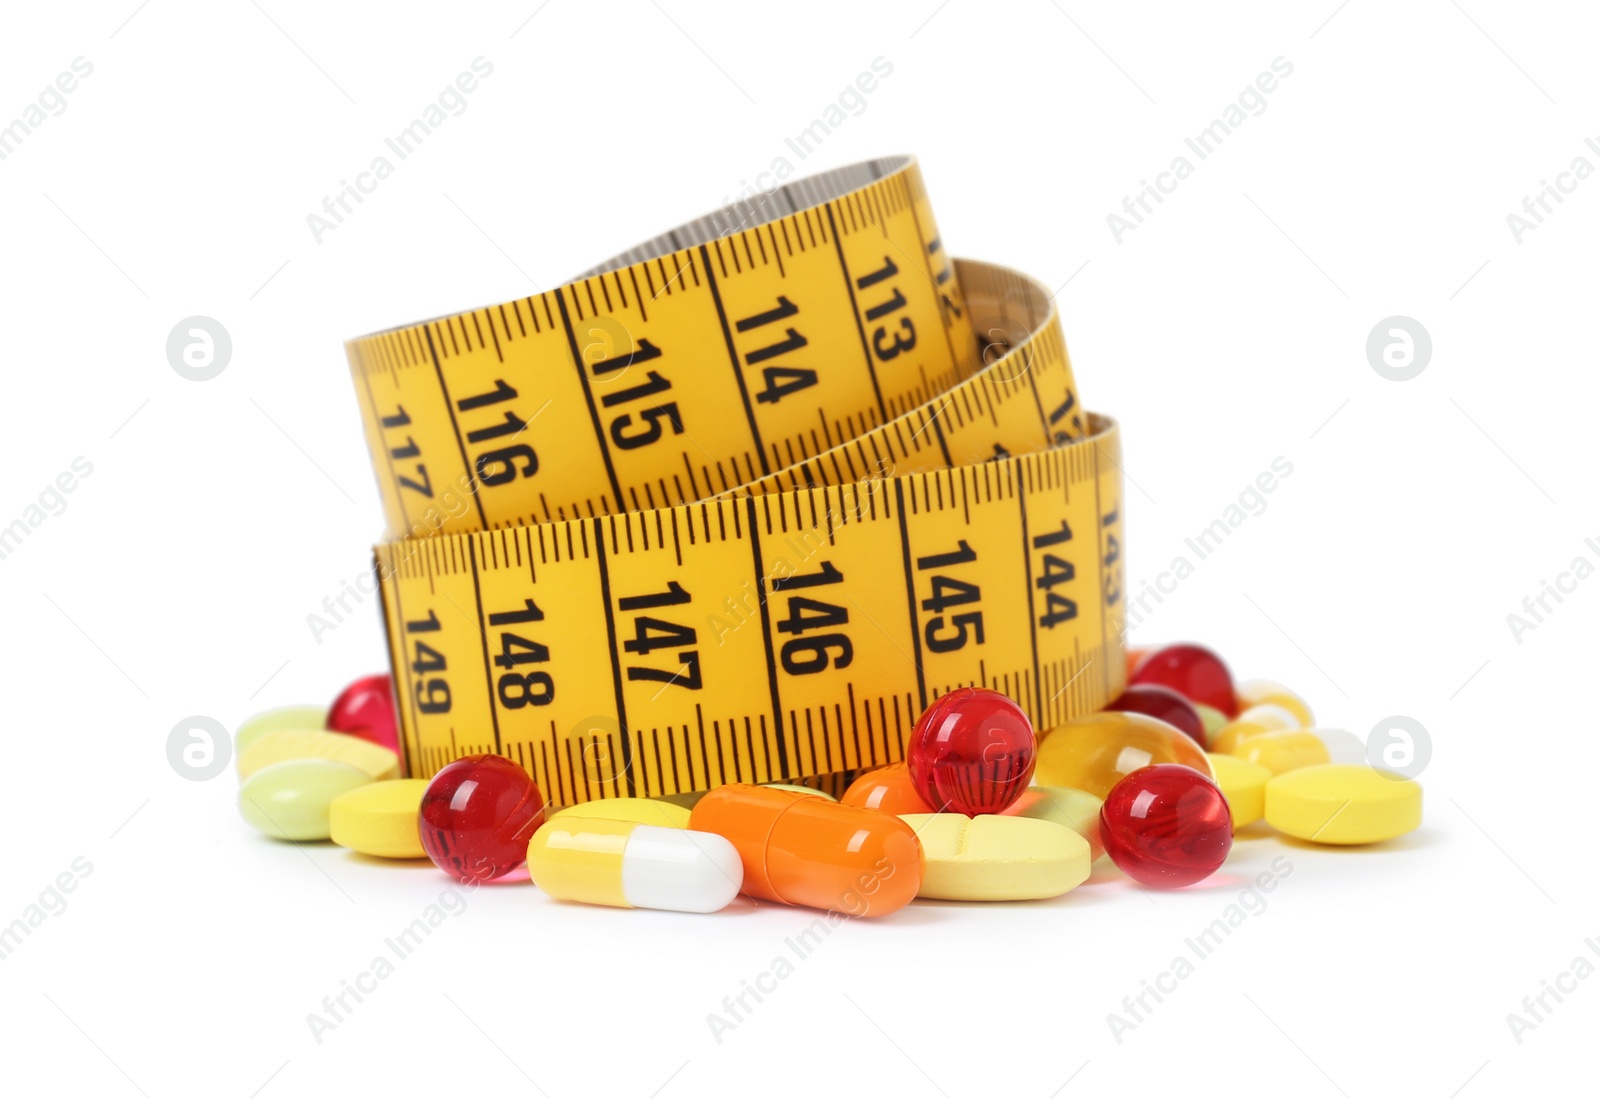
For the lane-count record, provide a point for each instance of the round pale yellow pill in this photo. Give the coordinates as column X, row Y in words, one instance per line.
column 1266, row 718
column 662, row 814
column 289, row 801
column 1284, row 751
column 1270, row 715
column 289, row 744
column 799, row 789
column 1255, row 692
column 1211, row 719
column 1343, row 804
column 1078, row 810
column 1244, row 784
column 254, row 728
column 997, row 858
column 379, row 818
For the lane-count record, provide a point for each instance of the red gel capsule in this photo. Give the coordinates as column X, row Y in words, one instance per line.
column 477, row 817
column 366, row 709
column 972, row 752
column 1194, row 671
column 1166, row 826
column 1163, row 704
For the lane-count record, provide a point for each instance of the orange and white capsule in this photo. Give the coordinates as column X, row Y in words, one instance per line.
column 625, row 864
column 815, row 852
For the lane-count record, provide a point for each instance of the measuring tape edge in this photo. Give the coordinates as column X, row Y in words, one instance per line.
column 1106, row 433
column 903, row 165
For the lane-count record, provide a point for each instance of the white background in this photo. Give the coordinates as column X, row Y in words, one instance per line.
column 1227, row 330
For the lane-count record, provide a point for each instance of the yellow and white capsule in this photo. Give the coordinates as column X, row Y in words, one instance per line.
column 625, row 864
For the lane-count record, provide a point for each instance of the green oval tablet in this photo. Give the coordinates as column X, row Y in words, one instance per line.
column 289, row 801
column 271, row 721
column 1213, row 720
column 1078, row 810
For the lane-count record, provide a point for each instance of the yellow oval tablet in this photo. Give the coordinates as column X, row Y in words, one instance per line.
column 1343, row 804
column 380, row 819
column 254, row 728
column 662, row 814
column 1284, row 751
column 289, row 801
column 1266, row 718
column 997, row 858
column 1244, row 784
column 1078, row 810
column 1255, row 692
column 290, row 744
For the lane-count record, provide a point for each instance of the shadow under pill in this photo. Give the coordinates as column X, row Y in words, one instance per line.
column 1419, row 840
column 1257, row 830
column 1104, row 870
column 273, row 841
column 919, row 913
column 404, row 864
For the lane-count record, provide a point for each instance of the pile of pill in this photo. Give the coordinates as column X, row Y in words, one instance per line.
column 981, row 809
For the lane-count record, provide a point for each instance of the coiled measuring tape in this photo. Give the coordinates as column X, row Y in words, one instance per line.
column 737, row 505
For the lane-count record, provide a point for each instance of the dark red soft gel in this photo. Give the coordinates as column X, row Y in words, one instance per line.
column 1194, row 671
column 1163, row 704
column 972, row 752
column 1166, row 826
column 477, row 817
column 366, row 709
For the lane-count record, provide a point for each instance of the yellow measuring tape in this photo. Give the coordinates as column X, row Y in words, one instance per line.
column 737, row 505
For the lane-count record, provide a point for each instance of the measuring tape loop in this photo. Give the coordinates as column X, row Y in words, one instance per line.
column 639, row 583
column 697, row 363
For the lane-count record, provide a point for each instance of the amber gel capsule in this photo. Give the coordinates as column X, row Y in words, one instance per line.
column 815, row 852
